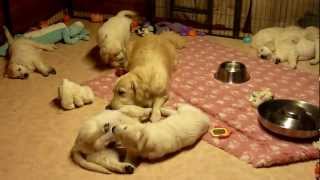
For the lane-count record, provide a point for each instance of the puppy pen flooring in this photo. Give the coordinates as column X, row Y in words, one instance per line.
column 36, row 136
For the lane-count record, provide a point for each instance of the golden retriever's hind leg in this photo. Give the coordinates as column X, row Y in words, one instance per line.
column 156, row 109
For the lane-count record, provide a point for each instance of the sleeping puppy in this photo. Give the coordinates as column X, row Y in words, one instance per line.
column 113, row 36
column 151, row 60
column 25, row 57
column 264, row 40
column 72, row 95
column 303, row 46
column 154, row 140
column 91, row 149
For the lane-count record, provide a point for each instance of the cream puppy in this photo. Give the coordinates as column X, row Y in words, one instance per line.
column 73, row 95
column 113, row 36
column 91, row 150
column 154, row 140
column 25, row 57
column 263, row 41
column 151, row 61
column 298, row 46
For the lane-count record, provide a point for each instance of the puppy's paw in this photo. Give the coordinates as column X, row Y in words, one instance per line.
column 314, row 62
column 51, row 47
column 52, row 71
column 129, row 169
column 146, row 113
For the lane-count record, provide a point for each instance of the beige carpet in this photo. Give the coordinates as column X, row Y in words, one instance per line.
column 36, row 136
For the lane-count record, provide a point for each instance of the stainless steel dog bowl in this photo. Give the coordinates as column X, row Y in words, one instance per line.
column 232, row 72
column 290, row 118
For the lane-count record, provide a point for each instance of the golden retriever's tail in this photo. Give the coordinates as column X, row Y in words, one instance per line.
column 77, row 158
column 8, row 34
column 127, row 13
column 178, row 41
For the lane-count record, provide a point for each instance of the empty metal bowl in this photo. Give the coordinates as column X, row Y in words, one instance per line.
column 296, row 119
column 232, row 72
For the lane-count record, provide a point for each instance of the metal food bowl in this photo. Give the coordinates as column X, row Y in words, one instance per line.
column 296, row 119
column 232, row 72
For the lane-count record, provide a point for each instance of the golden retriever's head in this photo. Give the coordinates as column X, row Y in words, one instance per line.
column 17, row 71
column 124, row 92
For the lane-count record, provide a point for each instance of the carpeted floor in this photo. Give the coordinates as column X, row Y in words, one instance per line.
column 36, row 136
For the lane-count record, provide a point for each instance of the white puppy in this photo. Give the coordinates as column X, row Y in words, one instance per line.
column 113, row 36
column 290, row 44
column 25, row 57
column 293, row 47
column 154, row 140
column 263, row 41
column 71, row 95
column 91, row 150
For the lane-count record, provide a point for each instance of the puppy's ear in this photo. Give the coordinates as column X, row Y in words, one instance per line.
column 270, row 45
column 142, row 140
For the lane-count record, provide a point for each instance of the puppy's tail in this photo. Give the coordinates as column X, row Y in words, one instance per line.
column 127, row 13
column 78, row 159
column 8, row 34
column 178, row 41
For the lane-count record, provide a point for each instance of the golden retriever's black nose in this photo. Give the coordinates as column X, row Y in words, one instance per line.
column 25, row 76
column 277, row 61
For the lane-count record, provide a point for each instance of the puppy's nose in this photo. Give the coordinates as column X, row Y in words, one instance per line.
column 108, row 106
column 113, row 129
column 263, row 56
column 277, row 61
column 25, row 76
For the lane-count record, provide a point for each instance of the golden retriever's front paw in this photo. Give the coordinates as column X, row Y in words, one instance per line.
column 155, row 116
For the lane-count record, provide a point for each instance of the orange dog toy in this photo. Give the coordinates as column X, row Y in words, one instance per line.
column 220, row 132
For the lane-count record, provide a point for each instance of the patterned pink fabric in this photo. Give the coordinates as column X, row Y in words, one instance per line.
column 228, row 105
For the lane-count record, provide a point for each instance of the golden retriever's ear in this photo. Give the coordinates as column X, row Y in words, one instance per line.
column 134, row 86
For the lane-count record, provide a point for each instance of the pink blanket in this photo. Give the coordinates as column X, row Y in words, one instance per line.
column 228, row 105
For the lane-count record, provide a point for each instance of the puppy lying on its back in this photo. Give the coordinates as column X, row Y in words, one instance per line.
column 71, row 95
column 25, row 57
column 154, row 140
column 151, row 61
column 113, row 36
column 90, row 150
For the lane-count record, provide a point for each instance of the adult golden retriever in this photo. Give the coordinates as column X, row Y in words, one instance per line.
column 151, row 60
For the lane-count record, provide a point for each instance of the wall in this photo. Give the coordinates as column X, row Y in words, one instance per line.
column 2, row 38
column 265, row 13
column 25, row 13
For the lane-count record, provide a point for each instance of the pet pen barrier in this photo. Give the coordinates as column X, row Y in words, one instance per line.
column 236, row 18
